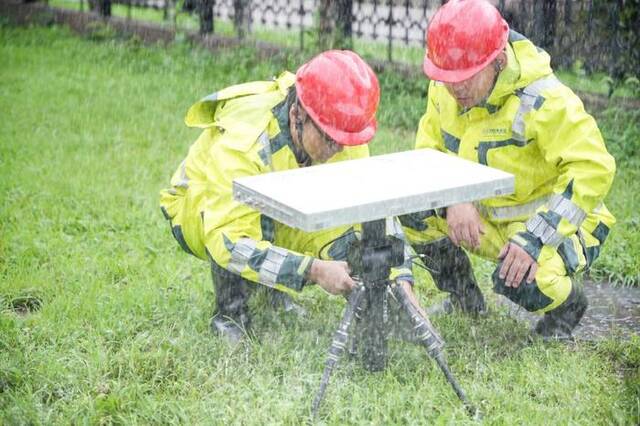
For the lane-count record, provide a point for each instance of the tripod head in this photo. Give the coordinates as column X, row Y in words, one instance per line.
column 373, row 257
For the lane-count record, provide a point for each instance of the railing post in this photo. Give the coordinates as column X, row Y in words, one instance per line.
column 105, row 8
column 174, row 7
column 615, row 67
column 344, row 19
column 390, row 34
column 301, row 13
column 205, row 12
column 240, row 18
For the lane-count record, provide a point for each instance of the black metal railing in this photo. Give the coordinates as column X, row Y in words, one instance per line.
column 599, row 35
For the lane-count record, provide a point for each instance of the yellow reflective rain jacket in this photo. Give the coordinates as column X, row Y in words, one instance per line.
column 536, row 128
column 246, row 132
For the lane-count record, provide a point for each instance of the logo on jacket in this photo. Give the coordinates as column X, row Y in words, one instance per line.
column 499, row 131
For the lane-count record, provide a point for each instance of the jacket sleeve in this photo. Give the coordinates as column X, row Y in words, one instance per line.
column 568, row 138
column 429, row 135
column 238, row 238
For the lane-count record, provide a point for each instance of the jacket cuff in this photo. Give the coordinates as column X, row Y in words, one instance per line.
column 405, row 277
column 529, row 243
column 401, row 274
column 304, row 270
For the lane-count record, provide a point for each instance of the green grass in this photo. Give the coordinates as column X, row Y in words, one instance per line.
column 90, row 132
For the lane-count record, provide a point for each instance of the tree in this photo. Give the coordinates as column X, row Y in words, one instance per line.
column 205, row 12
column 335, row 28
column 544, row 28
column 242, row 17
column 102, row 7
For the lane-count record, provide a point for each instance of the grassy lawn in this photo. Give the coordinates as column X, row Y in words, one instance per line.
column 104, row 320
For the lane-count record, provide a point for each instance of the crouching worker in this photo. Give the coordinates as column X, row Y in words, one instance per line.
column 326, row 111
column 493, row 99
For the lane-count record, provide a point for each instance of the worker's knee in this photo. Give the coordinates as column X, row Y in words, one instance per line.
column 423, row 227
column 527, row 295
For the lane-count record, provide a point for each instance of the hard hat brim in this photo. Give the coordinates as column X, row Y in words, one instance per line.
column 454, row 76
column 348, row 138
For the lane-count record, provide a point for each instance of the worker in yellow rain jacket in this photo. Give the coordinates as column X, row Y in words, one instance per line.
column 493, row 99
column 324, row 112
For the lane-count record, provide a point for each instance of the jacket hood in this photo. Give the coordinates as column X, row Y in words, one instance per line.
column 244, row 109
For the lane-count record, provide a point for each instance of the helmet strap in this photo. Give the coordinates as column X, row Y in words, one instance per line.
column 302, row 157
column 498, row 67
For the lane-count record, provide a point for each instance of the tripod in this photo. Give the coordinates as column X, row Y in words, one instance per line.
column 372, row 258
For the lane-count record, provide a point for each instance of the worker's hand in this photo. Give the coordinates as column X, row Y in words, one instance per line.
column 515, row 264
column 332, row 275
column 465, row 225
column 412, row 297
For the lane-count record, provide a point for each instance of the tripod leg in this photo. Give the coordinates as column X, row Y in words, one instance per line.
column 431, row 340
column 338, row 344
column 371, row 331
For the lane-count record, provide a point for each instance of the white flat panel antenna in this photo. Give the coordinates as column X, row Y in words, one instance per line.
column 349, row 192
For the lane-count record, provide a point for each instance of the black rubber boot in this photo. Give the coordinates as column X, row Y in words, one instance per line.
column 231, row 318
column 559, row 323
column 452, row 272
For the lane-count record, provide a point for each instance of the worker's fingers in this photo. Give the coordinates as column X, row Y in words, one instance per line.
column 532, row 272
column 349, row 283
column 519, row 274
column 345, row 266
column 472, row 230
column 503, row 251
column 506, row 267
column 513, row 270
column 334, row 277
column 453, row 236
column 475, row 232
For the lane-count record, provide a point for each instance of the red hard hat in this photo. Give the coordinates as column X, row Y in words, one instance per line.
column 463, row 37
column 341, row 93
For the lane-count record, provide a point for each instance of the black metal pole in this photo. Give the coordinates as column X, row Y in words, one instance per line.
column 390, row 34
column 375, row 265
column 301, row 13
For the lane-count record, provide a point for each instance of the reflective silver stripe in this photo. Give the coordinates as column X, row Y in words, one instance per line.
column 513, row 212
column 210, row 98
column 528, row 97
column 242, row 251
column 271, row 265
column 547, row 233
column 393, row 227
column 184, row 180
column 265, row 151
column 567, row 209
column 598, row 208
column 408, row 254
